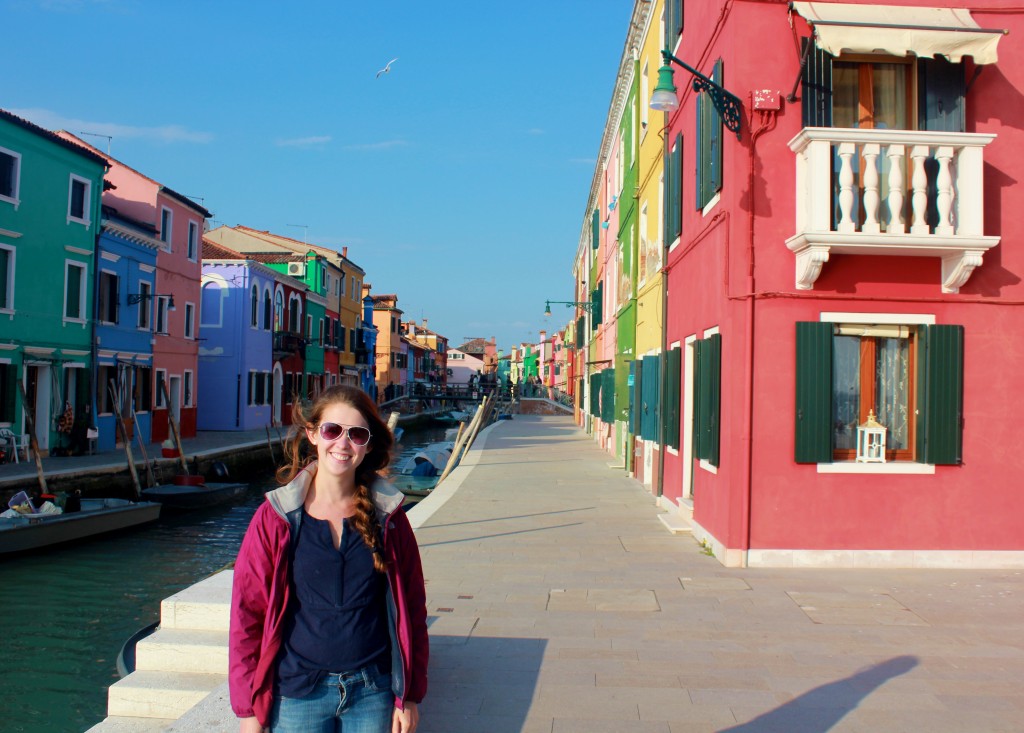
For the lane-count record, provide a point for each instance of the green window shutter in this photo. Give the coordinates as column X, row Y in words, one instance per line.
column 595, row 394
column 940, row 395
column 715, row 129
column 816, row 86
column 701, row 135
column 580, row 324
column 595, row 229
column 675, row 189
column 813, row 392
column 634, row 368
column 636, row 398
column 670, row 399
column 940, row 87
column 608, row 395
column 649, row 397
column 707, row 398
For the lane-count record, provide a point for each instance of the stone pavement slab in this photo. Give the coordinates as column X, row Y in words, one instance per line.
column 559, row 603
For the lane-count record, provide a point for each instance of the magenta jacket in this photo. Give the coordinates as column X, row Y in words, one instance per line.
column 261, row 592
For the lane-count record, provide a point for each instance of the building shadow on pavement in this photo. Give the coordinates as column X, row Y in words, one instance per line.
column 479, row 684
column 818, row 710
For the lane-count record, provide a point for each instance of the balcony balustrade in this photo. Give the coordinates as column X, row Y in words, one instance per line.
column 889, row 192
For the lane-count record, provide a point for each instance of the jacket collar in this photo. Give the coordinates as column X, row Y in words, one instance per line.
column 290, row 497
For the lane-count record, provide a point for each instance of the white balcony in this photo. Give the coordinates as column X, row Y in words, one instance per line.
column 889, row 192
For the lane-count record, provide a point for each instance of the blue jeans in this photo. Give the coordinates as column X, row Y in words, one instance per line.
column 345, row 702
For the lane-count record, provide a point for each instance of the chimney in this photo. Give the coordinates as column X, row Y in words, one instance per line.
column 344, row 252
column 424, row 323
column 543, row 334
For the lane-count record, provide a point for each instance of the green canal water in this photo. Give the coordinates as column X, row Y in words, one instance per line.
column 64, row 613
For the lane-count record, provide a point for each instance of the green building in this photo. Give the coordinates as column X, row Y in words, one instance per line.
column 50, row 193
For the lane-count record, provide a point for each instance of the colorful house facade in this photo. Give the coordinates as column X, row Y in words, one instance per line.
column 50, row 217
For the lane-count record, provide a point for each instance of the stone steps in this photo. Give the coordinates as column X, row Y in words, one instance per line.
column 177, row 666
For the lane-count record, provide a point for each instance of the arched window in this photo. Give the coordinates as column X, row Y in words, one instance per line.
column 278, row 310
column 211, row 311
column 294, row 314
column 266, row 309
column 254, row 307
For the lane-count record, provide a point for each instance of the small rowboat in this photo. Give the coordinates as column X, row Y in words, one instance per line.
column 97, row 516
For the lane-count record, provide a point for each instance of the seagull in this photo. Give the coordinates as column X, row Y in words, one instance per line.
column 386, row 69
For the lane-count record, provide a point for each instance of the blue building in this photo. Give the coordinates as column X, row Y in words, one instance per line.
column 238, row 379
column 366, row 350
column 125, row 282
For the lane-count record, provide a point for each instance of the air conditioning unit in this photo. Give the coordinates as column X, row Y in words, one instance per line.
column 297, row 269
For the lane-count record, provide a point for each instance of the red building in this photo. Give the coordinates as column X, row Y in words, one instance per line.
column 848, row 254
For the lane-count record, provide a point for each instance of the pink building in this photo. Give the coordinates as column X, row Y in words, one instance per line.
column 180, row 223
column 848, row 261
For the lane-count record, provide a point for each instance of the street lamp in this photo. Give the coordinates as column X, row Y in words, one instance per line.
column 664, row 98
column 585, row 304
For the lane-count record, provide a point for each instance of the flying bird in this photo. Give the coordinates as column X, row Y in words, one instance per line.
column 386, row 69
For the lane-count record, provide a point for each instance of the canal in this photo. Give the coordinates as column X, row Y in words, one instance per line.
column 65, row 613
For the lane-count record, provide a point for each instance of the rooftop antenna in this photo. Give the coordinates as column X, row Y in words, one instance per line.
column 97, row 134
column 303, row 227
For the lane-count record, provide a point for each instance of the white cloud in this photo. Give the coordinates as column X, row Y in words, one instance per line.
column 304, row 142
column 383, row 145
column 162, row 134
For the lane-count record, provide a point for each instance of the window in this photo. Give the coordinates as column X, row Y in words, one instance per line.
column 320, row 338
column 7, row 256
column 267, row 310
column 909, row 375
column 278, row 310
column 645, row 95
column 709, row 144
column 354, row 295
column 673, row 22
column 268, row 388
column 187, row 398
column 674, row 191
column 108, row 297
column 342, row 281
column 193, row 240
column 294, row 314
column 10, row 175
column 74, row 291
column 166, row 225
column 145, row 293
column 259, row 388
column 211, row 305
column 309, row 327
column 707, row 389
column 161, row 314
column 190, row 326
column 671, row 396
column 79, row 199
column 351, row 340
column 341, row 336
column 143, row 389
column 254, row 307
column 161, row 388
column 250, row 395
column 8, row 391
column 105, row 374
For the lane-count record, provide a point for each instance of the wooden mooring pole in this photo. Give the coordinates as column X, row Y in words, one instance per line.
column 32, row 437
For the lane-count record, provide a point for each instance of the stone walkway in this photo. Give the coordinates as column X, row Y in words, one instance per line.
column 559, row 603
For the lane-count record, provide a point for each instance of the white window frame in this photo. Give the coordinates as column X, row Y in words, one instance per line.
column 144, row 320
column 16, row 199
column 166, row 233
column 162, row 314
column 193, row 241
column 12, row 256
column 190, row 320
column 86, row 217
column 158, row 395
column 117, row 311
column 705, row 463
column 82, row 291
column 309, row 328
column 188, row 388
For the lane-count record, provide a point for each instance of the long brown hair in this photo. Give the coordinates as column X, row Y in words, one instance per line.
column 299, row 453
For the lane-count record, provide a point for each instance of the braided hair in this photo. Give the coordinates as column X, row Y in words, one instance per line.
column 299, row 453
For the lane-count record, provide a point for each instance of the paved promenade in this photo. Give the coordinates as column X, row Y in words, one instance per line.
column 559, row 603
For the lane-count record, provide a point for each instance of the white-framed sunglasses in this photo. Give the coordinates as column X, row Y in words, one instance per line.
column 357, row 434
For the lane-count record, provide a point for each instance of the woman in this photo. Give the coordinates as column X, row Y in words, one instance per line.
column 328, row 611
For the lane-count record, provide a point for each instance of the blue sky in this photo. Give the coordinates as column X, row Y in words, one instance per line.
column 459, row 180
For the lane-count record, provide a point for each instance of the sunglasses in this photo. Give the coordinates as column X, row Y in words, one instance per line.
column 357, row 435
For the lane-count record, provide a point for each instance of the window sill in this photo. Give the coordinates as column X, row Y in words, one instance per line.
column 708, row 466
column 904, row 467
column 711, row 203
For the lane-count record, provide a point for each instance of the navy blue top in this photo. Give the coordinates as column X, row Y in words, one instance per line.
column 337, row 620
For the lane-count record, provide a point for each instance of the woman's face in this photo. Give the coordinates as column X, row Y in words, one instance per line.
column 340, row 456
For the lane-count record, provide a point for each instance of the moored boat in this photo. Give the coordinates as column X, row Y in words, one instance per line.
column 189, row 496
column 97, row 516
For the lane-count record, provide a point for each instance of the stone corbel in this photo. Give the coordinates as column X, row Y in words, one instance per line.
column 957, row 267
column 808, row 265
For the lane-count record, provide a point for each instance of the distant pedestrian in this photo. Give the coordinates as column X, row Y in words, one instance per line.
column 328, row 610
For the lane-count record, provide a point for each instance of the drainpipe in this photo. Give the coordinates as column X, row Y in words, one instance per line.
column 664, row 317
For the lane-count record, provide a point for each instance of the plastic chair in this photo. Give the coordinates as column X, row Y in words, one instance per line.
column 8, row 438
